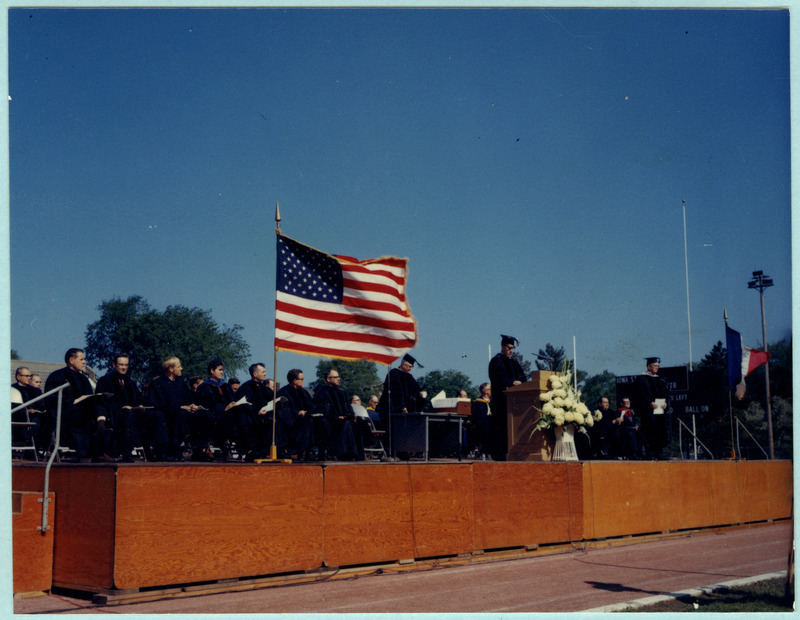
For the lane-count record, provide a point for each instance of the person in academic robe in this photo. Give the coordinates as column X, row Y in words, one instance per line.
column 35, row 414
column 629, row 432
column 401, row 392
column 480, row 421
column 169, row 394
column 215, row 396
column 650, row 402
column 84, row 416
column 504, row 372
column 297, row 415
column 133, row 423
column 256, row 435
column 372, row 405
column 603, row 431
column 345, row 440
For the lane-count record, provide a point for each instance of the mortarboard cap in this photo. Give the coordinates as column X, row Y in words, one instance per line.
column 653, row 360
column 411, row 360
column 508, row 340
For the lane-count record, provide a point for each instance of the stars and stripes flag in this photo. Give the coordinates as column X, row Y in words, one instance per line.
column 340, row 307
column 742, row 360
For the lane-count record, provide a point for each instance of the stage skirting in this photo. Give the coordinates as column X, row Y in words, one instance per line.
column 142, row 526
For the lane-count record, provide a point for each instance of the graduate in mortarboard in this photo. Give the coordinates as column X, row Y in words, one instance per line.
column 401, row 393
column 504, row 372
column 650, row 402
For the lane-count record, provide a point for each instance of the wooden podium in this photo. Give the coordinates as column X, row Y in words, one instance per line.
column 523, row 402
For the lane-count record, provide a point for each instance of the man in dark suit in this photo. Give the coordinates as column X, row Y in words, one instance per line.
column 133, row 424
column 256, row 435
column 297, row 415
column 330, row 400
column 84, row 416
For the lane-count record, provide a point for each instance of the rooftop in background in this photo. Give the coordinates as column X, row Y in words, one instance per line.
column 43, row 369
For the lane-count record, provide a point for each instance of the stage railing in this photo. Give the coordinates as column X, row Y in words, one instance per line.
column 738, row 447
column 53, row 453
column 696, row 438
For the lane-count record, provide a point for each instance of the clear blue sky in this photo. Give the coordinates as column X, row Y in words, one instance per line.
column 530, row 164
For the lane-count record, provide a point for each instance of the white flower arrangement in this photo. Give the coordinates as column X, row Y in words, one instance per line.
column 562, row 404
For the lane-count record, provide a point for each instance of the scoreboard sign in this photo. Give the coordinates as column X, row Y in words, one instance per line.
column 690, row 393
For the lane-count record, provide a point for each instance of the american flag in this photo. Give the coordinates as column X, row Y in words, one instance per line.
column 340, row 307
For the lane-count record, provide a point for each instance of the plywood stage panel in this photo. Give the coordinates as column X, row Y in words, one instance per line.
column 185, row 524
column 368, row 516
column 518, row 504
column 83, row 550
column 32, row 553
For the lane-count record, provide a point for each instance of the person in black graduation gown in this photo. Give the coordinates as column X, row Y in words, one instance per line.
column 216, row 396
column 646, row 389
column 296, row 415
column 256, row 435
column 603, row 431
column 504, row 372
column 133, row 424
column 36, row 413
column 345, row 438
column 170, row 395
column 401, row 392
column 480, row 420
column 84, row 416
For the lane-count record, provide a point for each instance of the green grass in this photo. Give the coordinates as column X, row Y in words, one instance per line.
column 763, row 596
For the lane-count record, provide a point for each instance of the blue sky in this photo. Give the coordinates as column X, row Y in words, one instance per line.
column 530, row 163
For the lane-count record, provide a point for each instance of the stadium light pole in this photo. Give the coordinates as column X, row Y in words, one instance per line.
column 759, row 282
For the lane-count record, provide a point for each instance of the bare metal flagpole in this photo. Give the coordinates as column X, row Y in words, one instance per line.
column 686, row 262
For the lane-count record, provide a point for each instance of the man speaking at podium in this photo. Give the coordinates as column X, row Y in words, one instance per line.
column 504, row 372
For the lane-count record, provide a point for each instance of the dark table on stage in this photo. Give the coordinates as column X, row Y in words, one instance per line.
column 412, row 432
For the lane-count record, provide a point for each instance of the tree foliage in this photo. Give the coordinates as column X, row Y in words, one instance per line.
column 715, row 360
column 556, row 354
column 358, row 377
column 131, row 327
column 451, row 381
column 524, row 364
column 14, row 354
column 595, row 387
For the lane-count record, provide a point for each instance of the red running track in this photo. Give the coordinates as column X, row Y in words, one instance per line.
column 567, row 582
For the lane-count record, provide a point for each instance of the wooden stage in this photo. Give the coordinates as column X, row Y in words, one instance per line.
column 128, row 527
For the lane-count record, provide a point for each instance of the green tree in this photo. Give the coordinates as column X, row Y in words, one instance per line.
column 14, row 354
column 524, row 364
column 559, row 363
column 451, row 381
column 358, row 377
column 595, row 387
column 556, row 354
column 131, row 327
column 715, row 360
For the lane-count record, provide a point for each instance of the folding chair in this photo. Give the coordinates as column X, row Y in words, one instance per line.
column 375, row 449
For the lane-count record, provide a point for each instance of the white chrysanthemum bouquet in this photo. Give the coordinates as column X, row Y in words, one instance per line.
column 562, row 405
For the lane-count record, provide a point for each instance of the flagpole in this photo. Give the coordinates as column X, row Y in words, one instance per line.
column 574, row 364
column 730, row 402
column 273, row 449
column 686, row 263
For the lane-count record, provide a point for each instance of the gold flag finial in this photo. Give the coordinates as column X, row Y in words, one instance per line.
column 277, row 218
